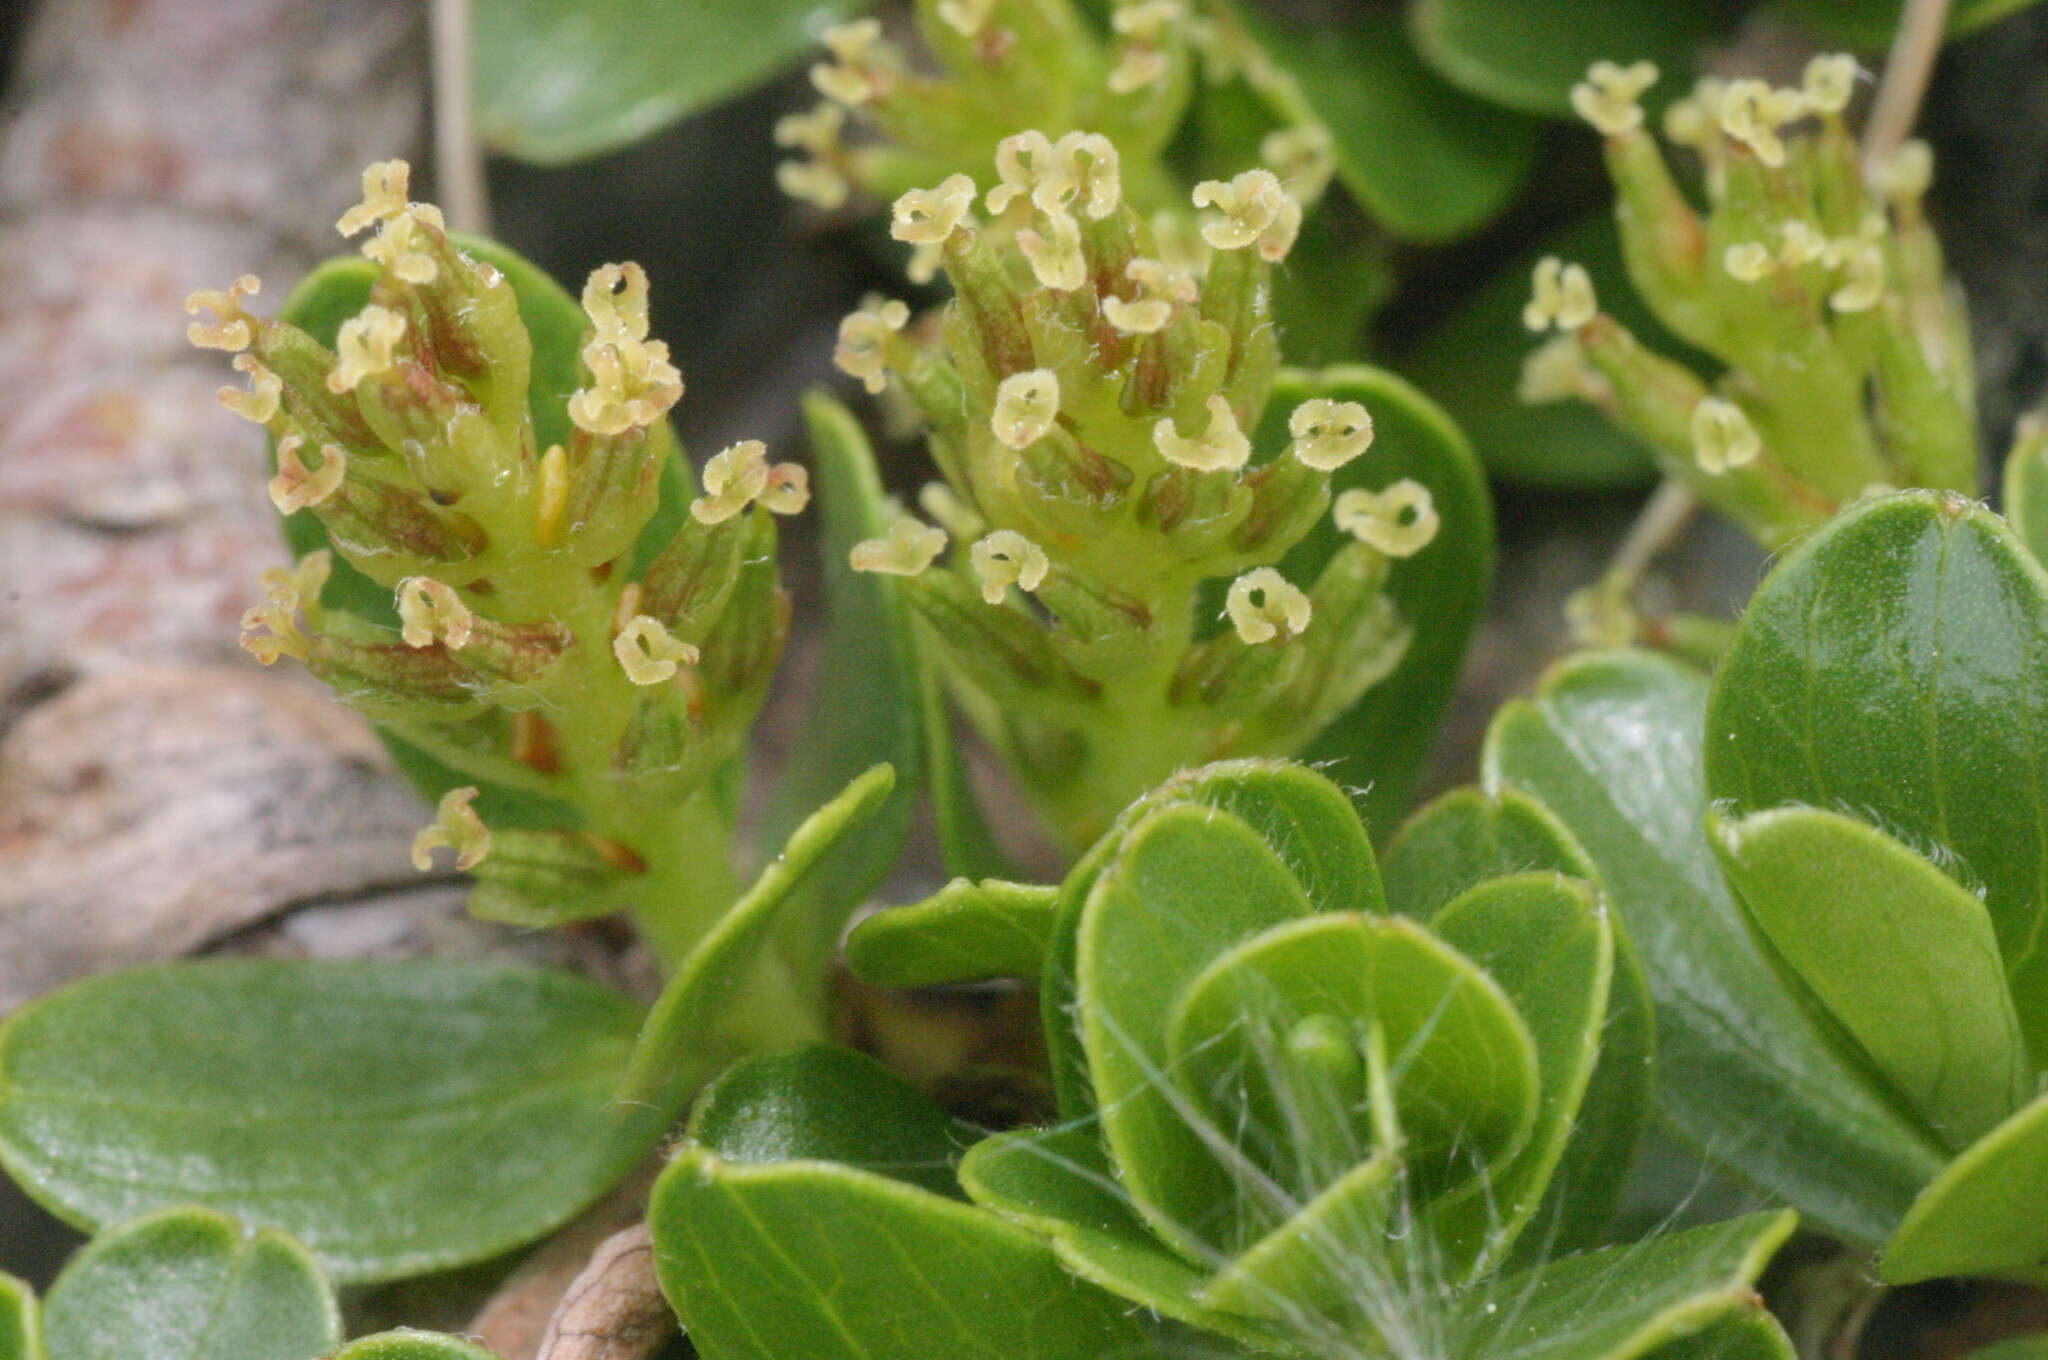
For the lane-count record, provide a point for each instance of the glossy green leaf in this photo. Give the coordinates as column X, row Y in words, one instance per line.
column 1895, row 665
column 1472, row 364
column 1981, row 1215
column 1611, row 745
column 867, row 712
column 1524, row 54
column 765, row 1261
column 1382, row 743
column 1467, row 837
column 829, row 1104
column 2025, row 493
column 1545, row 939
column 411, row 1345
column 732, row 992
column 555, row 322
column 1426, row 159
column 1627, row 1301
column 21, row 1321
column 1871, row 24
column 1895, row 951
column 396, row 1117
column 963, row 933
column 561, row 80
column 1187, row 884
column 188, row 1284
column 1741, row 1334
column 1318, row 1259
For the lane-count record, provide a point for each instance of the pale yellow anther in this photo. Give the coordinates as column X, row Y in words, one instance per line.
column 1861, row 261
column 1399, row 521
column 1749, row 262
column 851, row 77
column 788, row 491
column 365, row 347
column 456, row 827
column 1610, row 97
column 648, row 653
column 551, row 496
column 232, row 329
column 1328, row 434
column 1562, row 295
column 908, row 549
column 297, row 486
column 270, row 629
column 261, row 399
column 1907, row 175
column 818, row 180
column 1220, row 447
column 966, row 17
column 1251, row 204
column 1265, row 606
column 1006, row 558
column 863, row 348
column 1026, row 405
column 929, row 216
column 1302, row 156
column 1722, row 437
column 1056, row 261
column 430, row 611
column 733, row 480
column 1159, row 289
column 1752, row 113
column 1829, row 83
column 1143, row 25
column 1799, row 243
column 632, row 382
column 1557, row 370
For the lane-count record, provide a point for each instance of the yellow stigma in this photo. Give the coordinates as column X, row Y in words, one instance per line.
column 1695, row 120
column 632, row 383
column 365, row 347
column 929, row 216
column 1220, row 447
column 1907, row 175
column 1057, row 263
column 1265, row 606
column 260, row 402
column 384, row 206
column 430, row 611
column 1026, row 405
column 296, row 486
column 1026, row 166
column 648, row 653
column 908, row 549
column 1328, row 434
column 1752, row 113
column 457, row 827
column 1610, row 97
column 1749, row 262
column 232, row 329
column 1081, row 170
column 817, row 180
column 1143, row 27
column 863, row 348
column 788, row 490
column 270, row 629
column 1861, row 261
column 1722, row 437
column 1556, row 370
column 1562, row 296
column 733, row 480
column 1159, row 289
column 966, row 17
column 1829, row 83
column 1006, row 558
column 1302, row 156
column 1255, row 210
column 1399, row 521
column 852, row 76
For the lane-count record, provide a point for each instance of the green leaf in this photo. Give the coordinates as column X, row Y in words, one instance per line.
column 1871, row 24
column 1519, row 52
column 1622, row 1302
column 823, row 1103
column 410, row 1345
column 555, row 322
column 1472, row 364
column 2014, row 1348
column 1742, row 1334
column 703, row 1018
column 1895, row 665
column 1426, row 159
column 1895, row 952
column 1981, row 1214
column 561, row 80
column 1314, row 1260
column 1612, row 745
column 21, row 1323
column 964, row 933
column 1467, row 837
column 2025, row 497
column 1188, row 883
column 1384, row 740
column 188, row 1284
column 396, row 1117
column 766, row 1261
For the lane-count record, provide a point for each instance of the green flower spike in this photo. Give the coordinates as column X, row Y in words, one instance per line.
column 1299, row 1118
column 528, row 652
column 1817, row 287
column 1103, row 583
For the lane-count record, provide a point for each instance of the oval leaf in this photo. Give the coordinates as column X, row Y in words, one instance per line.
column 396, row 1117
column 187, row 1284
column 410, row 1345
column 965, row 932
column 1872, row 24
column 21, row 1322
column 1981, row 1215
column 1524, row 54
